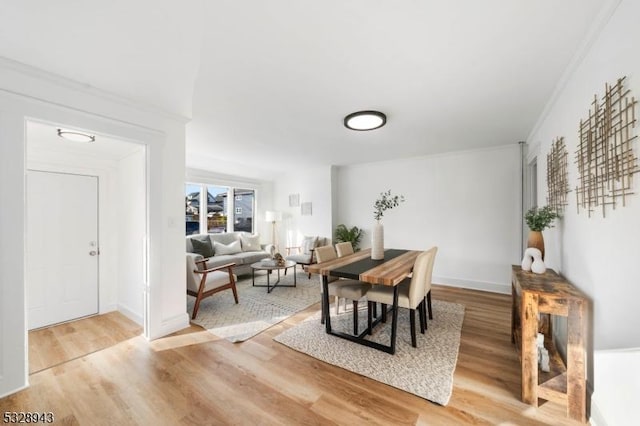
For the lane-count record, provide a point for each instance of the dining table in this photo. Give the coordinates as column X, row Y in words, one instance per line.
column 396, row 265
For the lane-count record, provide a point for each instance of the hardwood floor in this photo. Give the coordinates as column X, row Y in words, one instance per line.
column 52, row 346
column 192, row 377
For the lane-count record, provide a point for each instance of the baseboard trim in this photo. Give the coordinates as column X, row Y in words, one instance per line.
column 596, row 418
column 133, row 316
column 171, row 325
column 14, row 391
column 473, row 285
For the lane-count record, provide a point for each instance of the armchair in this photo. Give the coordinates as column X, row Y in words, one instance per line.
column 305, row 253
column 207, row 282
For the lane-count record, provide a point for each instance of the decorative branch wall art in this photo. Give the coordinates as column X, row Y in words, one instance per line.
column 557, row 176
column 605, row 156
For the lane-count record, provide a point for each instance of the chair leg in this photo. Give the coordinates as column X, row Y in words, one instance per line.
column 375, row 309
column 235, row 292
column 355, row 317
column 412, row 319
column 423, row 317
column 383, row 307
column 369, row 317
column 429, row 304
column 196, row 306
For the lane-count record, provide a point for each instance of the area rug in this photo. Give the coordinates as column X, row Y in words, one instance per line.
column 425, row 371
column 257, row 310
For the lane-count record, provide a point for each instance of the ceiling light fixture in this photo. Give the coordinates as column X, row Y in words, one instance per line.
column 76, row 136
column 365, row 120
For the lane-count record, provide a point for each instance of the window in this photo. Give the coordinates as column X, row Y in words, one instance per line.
column 244, row 211
column 192, row 210
column 220, row 200
column 217, row 209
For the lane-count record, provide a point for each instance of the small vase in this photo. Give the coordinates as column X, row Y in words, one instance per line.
column 377, row 241
column 536, row 240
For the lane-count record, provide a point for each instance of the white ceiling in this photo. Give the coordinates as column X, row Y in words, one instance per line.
column 268, row 83
column 43, row 139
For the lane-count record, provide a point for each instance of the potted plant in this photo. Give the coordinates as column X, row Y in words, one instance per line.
column 539, row 219
column 382, row 204
column 352, row 235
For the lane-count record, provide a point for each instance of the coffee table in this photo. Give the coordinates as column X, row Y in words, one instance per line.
column 264, row 266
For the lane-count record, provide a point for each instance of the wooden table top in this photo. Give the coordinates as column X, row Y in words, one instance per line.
column 550, row 283
column 389, row 271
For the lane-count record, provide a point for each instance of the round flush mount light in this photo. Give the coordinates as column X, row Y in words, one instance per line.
column 76, row 136
column 365, row 120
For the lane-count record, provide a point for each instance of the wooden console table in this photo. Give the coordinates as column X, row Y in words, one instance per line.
column 549, row 293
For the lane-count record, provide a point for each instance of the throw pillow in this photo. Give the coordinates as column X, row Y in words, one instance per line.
column 250, row 242
column 232, row 248
column 308, row 244
column 202, row 247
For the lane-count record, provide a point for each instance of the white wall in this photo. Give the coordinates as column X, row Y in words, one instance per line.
column 313, row 184
column 618, row 380
column 466, row 203
column 598, row 255
column 27, row 93
column 131, row 233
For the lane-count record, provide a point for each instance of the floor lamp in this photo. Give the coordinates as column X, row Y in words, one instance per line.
column 273, row 217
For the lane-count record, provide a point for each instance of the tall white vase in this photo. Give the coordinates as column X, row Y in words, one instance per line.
column 377, row 241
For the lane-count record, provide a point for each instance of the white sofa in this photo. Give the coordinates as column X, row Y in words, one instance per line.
column 243, row 259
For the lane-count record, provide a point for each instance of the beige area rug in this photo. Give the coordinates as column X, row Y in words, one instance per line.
column 426, row 371
column 257, row 310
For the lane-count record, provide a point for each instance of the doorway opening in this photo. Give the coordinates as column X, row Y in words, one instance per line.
column 86, row 214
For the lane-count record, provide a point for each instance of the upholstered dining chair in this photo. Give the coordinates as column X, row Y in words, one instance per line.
column 412, row 292
column 207, row 282
column 344, row 249
column 349, row 289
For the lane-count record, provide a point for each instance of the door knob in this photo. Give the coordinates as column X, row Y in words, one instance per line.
column 93, row 253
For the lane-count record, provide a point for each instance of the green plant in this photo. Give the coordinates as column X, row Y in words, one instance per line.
column 386, row 202
column 541, row 218
column 353, row 235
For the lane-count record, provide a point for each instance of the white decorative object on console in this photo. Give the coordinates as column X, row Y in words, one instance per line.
column 532, row 261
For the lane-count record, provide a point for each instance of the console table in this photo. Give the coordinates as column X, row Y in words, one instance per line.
column 549, row 293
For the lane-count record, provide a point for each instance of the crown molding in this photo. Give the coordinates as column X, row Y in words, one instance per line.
column 87, row 89
column 601, row 21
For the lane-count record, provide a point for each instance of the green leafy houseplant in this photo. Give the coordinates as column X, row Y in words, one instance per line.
column 538, row 219
column 353, row 235
column 386, row 202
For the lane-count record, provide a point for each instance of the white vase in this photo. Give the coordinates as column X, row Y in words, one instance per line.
column 377, row 241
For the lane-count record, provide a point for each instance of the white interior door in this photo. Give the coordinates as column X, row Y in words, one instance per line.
column 62, row 247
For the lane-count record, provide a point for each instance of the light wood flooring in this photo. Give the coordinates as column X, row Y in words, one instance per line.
column 192, row 378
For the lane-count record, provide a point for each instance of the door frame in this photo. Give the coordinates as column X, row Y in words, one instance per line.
column 107, row 176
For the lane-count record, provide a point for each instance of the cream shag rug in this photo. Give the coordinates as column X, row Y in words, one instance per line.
column 426, row 371
column 257, row 310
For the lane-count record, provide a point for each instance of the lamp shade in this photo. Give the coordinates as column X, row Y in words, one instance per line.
column 272, row 216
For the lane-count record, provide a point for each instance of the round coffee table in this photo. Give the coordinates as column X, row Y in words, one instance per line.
column 269, row 267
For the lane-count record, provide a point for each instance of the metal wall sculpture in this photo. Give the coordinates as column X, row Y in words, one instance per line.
column 557, row 176
column 605, row 157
